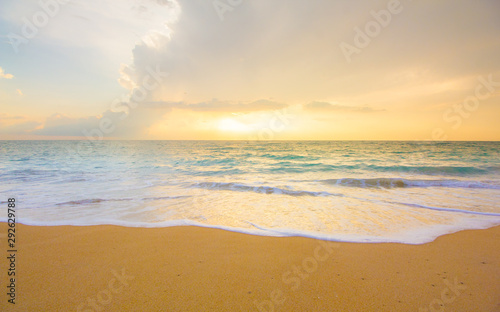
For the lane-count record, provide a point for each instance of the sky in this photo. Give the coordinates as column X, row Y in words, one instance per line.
column 250, row 70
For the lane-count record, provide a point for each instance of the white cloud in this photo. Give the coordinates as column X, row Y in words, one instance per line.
column 108, row 28
column 4, row 75
column 269, row 49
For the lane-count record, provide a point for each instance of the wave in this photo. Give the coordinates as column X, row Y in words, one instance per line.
column 287, row 157
column 398, row 182
column 84, row 201
column 165, row 197
column 293, row 167
column 315, row 166
column 434, row 170
column 228, row 186
column 451, row 210
column 21, row 159
column 100, row 200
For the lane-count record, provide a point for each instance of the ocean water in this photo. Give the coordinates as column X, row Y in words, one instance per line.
column 357, row 191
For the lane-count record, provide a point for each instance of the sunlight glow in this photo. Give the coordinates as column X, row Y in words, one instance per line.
column 229, row 124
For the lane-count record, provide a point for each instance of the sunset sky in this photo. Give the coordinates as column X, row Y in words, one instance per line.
column 250, row 69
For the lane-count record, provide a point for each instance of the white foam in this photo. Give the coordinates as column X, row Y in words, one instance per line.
column 259, row 189
column 414, row 236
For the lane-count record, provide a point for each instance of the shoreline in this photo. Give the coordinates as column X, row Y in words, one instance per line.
column 189, row 268
column 338, row 238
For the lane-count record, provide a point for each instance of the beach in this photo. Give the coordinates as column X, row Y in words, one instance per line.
column 265, row 156
column 113, row 268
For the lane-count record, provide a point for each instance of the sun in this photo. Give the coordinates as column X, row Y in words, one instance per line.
column 229, row 124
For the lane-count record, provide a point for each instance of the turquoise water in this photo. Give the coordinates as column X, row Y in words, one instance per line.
column 407, row 192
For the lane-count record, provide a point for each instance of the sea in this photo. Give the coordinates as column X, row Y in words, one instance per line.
column 353, row 191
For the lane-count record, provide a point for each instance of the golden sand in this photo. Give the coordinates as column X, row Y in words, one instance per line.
column 111, row 268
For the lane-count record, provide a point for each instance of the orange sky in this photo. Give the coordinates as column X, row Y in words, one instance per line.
column 284, row 70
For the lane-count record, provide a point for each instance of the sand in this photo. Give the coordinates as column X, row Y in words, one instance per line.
column 111, row 268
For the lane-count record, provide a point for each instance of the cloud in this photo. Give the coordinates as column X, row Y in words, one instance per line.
column 96, row 22
column 263, row 49
column 19, row 128
column 15, row 124
column 109, row 124
column 59, row 124
column 134, row 122
column 226, row 106
column 4, row 75
column 4, row 116
column 286, row 50
column 19, row 92
column 215, row 105
column 325, row 106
